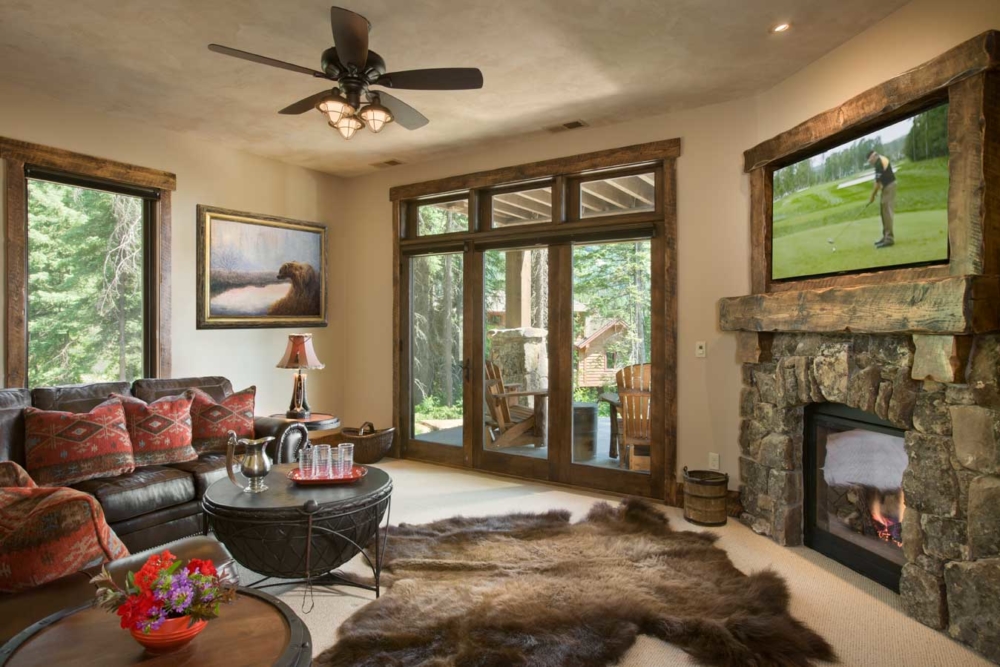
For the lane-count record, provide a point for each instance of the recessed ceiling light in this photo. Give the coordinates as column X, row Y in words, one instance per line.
column 781, row 27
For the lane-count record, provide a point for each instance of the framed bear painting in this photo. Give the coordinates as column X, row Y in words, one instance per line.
column 259, row 271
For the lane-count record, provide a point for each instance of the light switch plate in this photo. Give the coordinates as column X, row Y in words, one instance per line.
column 713, row 461
column 700, row 349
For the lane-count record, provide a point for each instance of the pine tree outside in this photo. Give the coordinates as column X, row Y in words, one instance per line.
column 85, row 285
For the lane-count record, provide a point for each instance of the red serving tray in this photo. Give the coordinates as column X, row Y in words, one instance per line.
column 357, row 472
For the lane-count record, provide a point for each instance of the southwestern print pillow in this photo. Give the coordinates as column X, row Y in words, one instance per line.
column 211, row 422
column 63, row 448
column 160, row 431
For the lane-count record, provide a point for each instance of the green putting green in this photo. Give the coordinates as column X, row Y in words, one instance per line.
column 920, row 237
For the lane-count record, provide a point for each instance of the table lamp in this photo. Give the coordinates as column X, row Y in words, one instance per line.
column 299, row 355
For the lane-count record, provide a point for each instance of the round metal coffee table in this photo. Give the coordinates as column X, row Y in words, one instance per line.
column 303, row 533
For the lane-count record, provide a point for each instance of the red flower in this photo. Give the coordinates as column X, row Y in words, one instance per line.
column 148, row 573
column 137, row 608
column 199, row 566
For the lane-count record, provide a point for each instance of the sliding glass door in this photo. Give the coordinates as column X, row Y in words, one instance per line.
column 536, row 328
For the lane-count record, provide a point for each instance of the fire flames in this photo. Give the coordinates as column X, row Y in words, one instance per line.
column 889, row 529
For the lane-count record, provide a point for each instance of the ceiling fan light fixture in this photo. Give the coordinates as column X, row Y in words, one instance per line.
column 375, row 116
column 336, row 107
column 348, row 126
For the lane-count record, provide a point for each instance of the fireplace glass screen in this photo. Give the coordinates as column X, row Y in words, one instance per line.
column 855, row 501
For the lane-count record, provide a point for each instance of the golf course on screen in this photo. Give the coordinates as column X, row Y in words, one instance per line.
column 823, row 222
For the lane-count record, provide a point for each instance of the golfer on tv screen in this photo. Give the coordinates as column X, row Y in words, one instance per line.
column 885, row 181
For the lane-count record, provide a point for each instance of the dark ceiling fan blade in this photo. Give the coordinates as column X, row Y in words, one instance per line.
column 305, row 104
column 444, row 78
column 350, row 37
column 263, row 60
column 402, row 112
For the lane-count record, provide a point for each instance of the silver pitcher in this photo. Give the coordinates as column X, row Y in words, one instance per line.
column 254, row 462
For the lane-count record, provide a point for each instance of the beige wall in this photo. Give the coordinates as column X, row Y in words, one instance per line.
column 206, row 174
column 713, row 209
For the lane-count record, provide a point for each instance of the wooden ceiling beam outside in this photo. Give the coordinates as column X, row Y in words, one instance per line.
column 632, row 191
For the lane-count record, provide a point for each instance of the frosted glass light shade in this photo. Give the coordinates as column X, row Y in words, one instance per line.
column 348, row 125
column 376, row 117
column 336, row 108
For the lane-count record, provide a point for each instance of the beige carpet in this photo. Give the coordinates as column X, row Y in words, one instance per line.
column 862, row 620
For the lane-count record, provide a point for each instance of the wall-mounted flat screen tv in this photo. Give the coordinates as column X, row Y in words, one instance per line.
column 874, row 202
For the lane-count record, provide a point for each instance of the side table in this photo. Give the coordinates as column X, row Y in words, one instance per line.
column 88, row 636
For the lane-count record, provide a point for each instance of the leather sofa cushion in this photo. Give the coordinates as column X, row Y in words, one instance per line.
column 76, row 397
column 141, row 492
column 206, row 470
column 153, row 388
column 12, row 405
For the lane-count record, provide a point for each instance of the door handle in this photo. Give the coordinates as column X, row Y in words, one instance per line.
column 466, row 369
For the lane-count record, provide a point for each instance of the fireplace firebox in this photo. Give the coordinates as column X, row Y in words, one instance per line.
column 854, row 501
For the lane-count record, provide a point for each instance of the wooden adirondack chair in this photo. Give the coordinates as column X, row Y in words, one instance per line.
column 511, row 424
column 635, row 399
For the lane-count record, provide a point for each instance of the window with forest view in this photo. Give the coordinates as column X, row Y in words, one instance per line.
column 436, row 339
column 443, row 218
column 85, row 284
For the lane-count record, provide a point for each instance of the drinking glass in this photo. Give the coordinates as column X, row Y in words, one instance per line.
column 322, row 461
column 306, row 461
column 346, row 457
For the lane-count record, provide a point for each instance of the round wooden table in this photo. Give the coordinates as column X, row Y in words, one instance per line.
column 257, row 629
column 303, row 532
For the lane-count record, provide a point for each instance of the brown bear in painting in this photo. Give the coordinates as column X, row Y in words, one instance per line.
column 303, row 299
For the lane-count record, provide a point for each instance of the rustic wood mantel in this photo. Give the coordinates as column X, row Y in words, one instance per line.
column 958, row 305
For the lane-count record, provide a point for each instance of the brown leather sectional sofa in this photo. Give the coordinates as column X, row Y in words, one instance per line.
column 155, row 504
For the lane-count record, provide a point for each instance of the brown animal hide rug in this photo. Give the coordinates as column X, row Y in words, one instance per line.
column 534, row 589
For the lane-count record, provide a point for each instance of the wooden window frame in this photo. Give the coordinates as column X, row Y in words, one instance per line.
column 565, row 175
column 18, row 156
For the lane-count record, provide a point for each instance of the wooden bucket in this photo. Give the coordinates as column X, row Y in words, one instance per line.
column 705, row 497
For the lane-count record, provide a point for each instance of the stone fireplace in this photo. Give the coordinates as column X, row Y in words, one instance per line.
column 950, row 533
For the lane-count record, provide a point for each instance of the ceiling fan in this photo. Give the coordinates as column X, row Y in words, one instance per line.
column 355, row 69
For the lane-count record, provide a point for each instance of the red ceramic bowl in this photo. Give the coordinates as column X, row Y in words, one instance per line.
column 175, row 633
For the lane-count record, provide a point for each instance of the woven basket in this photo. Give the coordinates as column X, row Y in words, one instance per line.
column 370, row 445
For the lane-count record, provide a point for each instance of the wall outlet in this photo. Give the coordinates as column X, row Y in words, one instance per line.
column 713, row 461
column 700, row 349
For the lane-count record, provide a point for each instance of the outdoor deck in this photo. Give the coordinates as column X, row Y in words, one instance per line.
column 449, row 432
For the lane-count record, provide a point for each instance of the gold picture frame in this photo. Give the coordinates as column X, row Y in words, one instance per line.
column 259, row 271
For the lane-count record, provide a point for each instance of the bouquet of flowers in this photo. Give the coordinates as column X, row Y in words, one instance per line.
column 162, row 589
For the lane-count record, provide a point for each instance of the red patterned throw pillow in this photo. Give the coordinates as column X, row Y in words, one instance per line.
column 63, row 448
column 160, row 431
column 211, row 422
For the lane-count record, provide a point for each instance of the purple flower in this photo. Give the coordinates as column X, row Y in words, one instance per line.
column 180, row 594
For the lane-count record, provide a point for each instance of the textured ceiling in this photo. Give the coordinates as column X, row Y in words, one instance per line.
column 544, row 62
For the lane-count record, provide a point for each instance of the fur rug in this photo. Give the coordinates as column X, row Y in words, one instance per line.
column 533, row 589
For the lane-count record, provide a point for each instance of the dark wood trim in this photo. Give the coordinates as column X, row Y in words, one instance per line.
column 665, row 372
column 633, row 225
column 16, row 223
column 560, row 362
column 204, row 320
column 473, row 336
column 87, row 165
column 163, row 296
column 874, row 277
column 400, row 346
column 615, row 157
column 760, row 229
column 432, row 452
column 872, row 107
column 956, row 305
column 17, row 156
